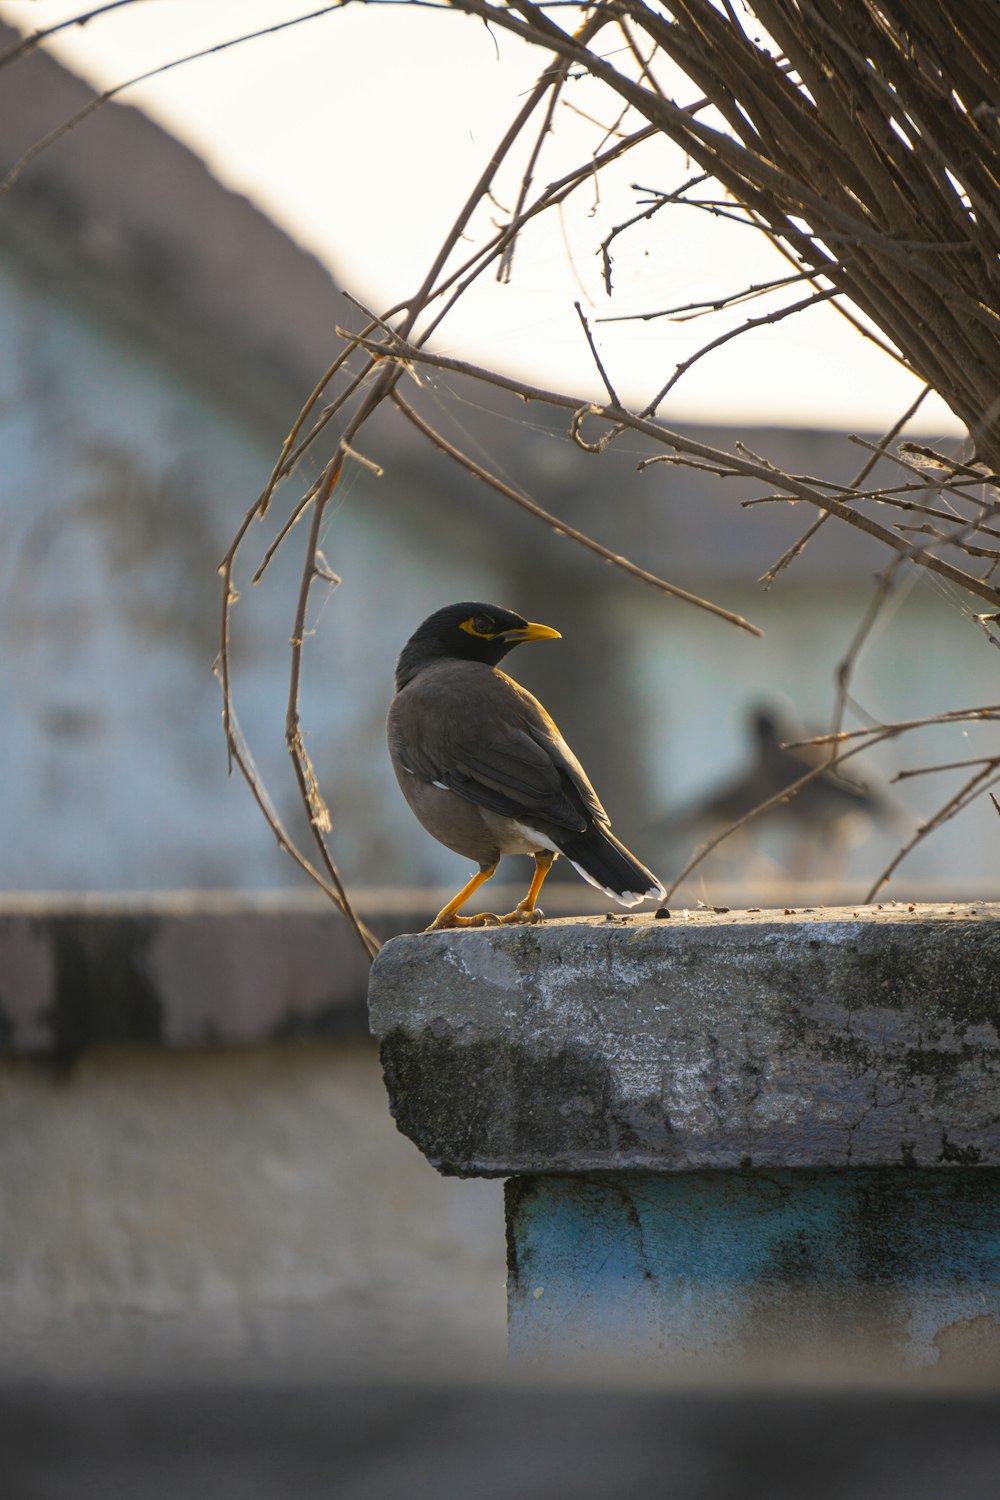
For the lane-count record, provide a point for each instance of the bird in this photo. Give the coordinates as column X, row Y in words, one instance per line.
column 486, row 771
column 827, row 814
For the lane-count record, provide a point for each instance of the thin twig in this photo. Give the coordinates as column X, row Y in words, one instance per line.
column 884, row 584
column 776, row 800
column 988, row 714
column 561, row 527
column 713, row 304
column 731, row 464
column 792, row 552
column 612, row 394
column 35, row 38
column 968, row 793
column 734, row 333
column 50, row 139
column 319, row 820
column 951, row 765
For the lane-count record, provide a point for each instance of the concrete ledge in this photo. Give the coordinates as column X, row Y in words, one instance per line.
column 184, row 969
column 193, row 968
column 837, row 1038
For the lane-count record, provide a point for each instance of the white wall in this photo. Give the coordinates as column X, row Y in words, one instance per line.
column 121, row 486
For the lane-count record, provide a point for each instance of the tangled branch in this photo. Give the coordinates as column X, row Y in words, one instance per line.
column 861, row 141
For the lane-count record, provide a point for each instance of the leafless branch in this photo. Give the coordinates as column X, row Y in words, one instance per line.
column 560, row 526
column 990, row 714
column 973, row 788
column 951, row 765
column 46, row 141
column 797, row 547
column 36, row 38
column 733, row 333
column 612, row 393
column 716, row 304
column 687, row 448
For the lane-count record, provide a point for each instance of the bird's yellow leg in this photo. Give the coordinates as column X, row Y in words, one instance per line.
column 526, row 910
column 447, row 916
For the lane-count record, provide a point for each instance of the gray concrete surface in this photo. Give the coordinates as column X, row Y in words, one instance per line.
column 825, row 1038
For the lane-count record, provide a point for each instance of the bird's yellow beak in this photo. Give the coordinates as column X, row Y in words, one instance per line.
column 532, row 633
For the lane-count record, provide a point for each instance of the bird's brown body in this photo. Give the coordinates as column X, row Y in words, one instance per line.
column 488, row 731
column 485, row 769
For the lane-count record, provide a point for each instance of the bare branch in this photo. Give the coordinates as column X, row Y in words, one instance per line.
column 796, row 548
column 35, row 38
column 728, row 463
column 561, row 527
column 698, row 309
column 34, row 151
column 951, row 765
column 972, row 789
column 733, row 333
column 612, row 394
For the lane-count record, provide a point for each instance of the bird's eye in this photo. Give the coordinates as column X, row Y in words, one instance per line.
column 482, row 624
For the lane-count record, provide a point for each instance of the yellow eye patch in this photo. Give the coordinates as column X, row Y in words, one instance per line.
column 470, row 627
column 514, row 633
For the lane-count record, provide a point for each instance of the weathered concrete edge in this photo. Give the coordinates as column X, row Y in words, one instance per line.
column 773, row 1042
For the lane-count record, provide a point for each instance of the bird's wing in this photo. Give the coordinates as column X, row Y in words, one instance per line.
column 479, row 734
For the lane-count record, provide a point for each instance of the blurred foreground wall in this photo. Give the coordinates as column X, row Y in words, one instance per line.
column 200, row 1178
column 234, row 1216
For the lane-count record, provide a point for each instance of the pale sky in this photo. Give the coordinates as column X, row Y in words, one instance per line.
column 361, row 133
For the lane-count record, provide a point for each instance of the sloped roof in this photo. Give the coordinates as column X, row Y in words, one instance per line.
column 120, row 201
column 129, row 202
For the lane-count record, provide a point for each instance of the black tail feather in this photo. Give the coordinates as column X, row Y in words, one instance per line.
column 603, row 860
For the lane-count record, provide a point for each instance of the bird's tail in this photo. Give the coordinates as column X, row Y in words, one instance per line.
column 603, row 860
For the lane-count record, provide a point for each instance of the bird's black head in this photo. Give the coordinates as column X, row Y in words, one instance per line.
column 764, row 727
column 467, row 632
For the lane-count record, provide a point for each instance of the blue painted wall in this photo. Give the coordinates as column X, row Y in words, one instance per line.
column 819, row 1272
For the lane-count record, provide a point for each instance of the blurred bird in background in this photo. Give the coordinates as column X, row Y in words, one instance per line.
column 807, row 836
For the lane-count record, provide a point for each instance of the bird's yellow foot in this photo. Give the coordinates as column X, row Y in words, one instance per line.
column 484, row 919
column 524, row 914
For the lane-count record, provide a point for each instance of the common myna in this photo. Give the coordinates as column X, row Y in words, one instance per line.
column 487, row 772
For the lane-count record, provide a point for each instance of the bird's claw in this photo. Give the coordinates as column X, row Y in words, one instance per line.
column 523, row 916
column 483, row 919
